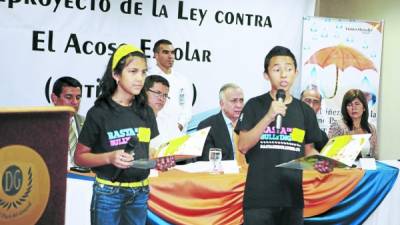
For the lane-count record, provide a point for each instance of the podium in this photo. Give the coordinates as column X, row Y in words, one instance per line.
column 33, row 164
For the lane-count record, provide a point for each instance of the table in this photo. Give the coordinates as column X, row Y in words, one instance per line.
column 346, row 196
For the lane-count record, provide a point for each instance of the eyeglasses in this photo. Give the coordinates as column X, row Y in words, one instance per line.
column 159, row 94
column 312, row 101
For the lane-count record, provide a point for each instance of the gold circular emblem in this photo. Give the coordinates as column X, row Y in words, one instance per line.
column 24, row 185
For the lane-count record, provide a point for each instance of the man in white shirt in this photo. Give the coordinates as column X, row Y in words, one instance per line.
column 67, row 91
column 157, row 91
column 179, row 105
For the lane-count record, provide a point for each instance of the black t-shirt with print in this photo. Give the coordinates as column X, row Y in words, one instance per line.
column 109, row 126
column 266, row 185
column 321, row 144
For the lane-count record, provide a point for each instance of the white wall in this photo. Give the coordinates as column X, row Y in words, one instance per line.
column 36, row 50
column 387, row 10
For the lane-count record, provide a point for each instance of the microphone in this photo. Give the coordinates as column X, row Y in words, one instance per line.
column 280, row 97
column 130, row 146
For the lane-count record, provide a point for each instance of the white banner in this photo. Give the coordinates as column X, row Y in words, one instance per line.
column 217, row 42
column 338, row 55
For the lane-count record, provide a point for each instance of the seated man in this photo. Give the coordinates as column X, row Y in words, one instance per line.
column 312, row 97
column 67, row 91
column 157, row 89
column 223, row 123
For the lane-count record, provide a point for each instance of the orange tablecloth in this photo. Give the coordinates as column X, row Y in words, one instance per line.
column 183, row 198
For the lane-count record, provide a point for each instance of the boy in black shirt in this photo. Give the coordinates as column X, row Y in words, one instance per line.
column 275, row 195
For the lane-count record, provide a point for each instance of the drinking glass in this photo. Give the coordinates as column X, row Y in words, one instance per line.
column 215, row 157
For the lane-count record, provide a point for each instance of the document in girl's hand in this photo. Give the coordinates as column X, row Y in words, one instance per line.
column 186, row 146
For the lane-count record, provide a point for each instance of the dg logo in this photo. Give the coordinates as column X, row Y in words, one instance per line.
column 24, row 187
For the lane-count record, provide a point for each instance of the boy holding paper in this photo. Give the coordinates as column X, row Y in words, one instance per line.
column 275, row 195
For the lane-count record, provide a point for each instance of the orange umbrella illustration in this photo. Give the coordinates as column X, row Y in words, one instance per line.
column 343, row 57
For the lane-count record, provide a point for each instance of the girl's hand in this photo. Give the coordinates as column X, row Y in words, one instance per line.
column 164, row 163
column 121, row 159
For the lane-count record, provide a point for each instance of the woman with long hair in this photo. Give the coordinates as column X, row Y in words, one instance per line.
column 355, row 119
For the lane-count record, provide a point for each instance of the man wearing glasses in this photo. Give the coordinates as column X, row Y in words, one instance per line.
column 157, row 89
column 312, row 97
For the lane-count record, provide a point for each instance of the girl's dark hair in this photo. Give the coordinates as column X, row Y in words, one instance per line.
column 348, row 98
column 108, row 85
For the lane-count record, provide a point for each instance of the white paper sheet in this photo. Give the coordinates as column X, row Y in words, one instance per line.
column 228, row 166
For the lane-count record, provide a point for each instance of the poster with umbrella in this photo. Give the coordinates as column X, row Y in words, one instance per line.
column 338, row 55
column 342, row 57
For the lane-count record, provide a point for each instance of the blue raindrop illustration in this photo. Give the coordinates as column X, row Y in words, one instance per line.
column 369, row 91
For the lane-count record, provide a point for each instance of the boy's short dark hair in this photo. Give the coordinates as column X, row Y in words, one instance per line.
column 65, row 82
column 278, row 51
column 152, row 79
column 156, row 47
